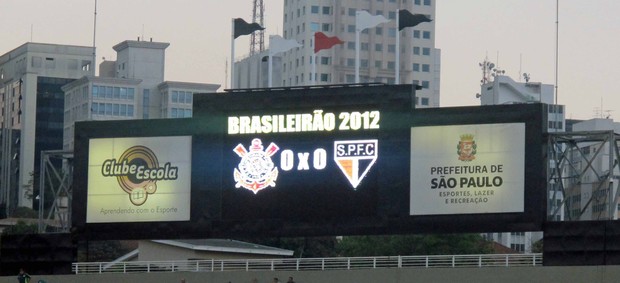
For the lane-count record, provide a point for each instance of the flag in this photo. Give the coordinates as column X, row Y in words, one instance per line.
column 241, row 27
column 278, row 44
column 364, row 20
column 322, row 41
column 406, row 19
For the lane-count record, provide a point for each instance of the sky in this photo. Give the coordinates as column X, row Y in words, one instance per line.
column 519, row 36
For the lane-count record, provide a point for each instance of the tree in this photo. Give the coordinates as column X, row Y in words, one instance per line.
column 21, row 228
column 413, row 245
column 303, row 247
column 537, row 247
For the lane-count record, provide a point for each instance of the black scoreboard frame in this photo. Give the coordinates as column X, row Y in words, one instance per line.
column 219, row 210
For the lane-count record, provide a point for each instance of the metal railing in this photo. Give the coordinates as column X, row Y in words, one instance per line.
column 302, row 264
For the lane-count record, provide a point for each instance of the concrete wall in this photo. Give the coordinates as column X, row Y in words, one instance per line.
column 593, row 274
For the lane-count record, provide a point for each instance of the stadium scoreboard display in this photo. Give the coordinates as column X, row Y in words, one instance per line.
column 306, row 162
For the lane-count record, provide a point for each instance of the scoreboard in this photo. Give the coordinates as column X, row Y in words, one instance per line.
column 336, row 160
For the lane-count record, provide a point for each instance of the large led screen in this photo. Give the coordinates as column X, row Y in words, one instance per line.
column 139, row 179
column 466, row 169
column 301, row 165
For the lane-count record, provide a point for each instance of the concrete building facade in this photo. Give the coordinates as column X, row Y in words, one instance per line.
column 31, row 77
column 132, row 87
column 500, row 89
column 419, row 59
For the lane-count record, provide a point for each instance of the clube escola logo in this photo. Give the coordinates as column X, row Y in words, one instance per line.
column 137, row 171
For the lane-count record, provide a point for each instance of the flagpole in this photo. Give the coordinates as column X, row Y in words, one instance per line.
column 270, row 69
column 397, row 72
column 357, row 55
column 232, row 55
column 313, row 75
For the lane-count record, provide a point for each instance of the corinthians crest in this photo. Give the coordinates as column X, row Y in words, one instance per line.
column 256, row 170
column 466, row 149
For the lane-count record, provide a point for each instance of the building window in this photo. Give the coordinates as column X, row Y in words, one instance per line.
column 50, row 63
column 426, row 68
column 314, row 9
column 364, row 63
column 36, row 62
column 426, row 35
column 350, row 62
column 327, row 10
column 326, row 27
column 417, row 2
column 416, row 67
column 392, row 32
column 416, row 33
column 351, row 28
column 379, row 31
column 351, row 12
column 392, row 15
column 416, row 50
column 378, row 47
column 425, row 84
column 426, row 51
column 427, row 2
column 350, row 45
column 314, row 26
column 146, row 100
column 364, row 46
column 424, row 101
column 391, row 65
column 391, row 48
column 325, row 60
column 325, row 77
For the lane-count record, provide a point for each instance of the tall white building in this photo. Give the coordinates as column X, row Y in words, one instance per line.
column 419, row 59
column 132, row 87
column 591, row 177
column 31, row 101
column 500, row 89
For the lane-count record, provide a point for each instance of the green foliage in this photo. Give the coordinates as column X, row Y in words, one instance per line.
column 24, row 212
column 413, row 245
column 105, row 251
column 537, row 247
column 303, row 247
column 21, row 228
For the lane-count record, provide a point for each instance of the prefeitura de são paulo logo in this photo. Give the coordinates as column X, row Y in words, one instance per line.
column 137, row 172
column 466, row 149
column 256, row 170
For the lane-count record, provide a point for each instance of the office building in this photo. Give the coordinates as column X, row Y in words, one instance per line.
column 500, row 89
column 419, row 59
column 31, row 77
column 132, row 87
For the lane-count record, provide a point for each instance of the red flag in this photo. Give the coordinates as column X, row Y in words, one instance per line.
column 322, row 41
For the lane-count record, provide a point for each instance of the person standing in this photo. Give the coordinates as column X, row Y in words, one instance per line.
column 23, row 277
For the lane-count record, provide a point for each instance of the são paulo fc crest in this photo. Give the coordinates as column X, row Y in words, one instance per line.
column 256, row 170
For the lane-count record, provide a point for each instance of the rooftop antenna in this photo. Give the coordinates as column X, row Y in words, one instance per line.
column 31, row 29
column 557, row 42
column 257, row 39
column 226, row 74
column 486, row 66
column 93, row 64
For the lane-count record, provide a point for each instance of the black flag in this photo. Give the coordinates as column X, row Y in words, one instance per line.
column 406, row 19
column 241, row 27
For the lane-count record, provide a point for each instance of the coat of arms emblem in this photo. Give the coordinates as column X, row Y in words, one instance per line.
column 466, row 149
column 256, row 171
